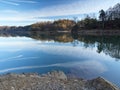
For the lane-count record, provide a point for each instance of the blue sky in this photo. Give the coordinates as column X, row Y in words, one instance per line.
column 25, row 12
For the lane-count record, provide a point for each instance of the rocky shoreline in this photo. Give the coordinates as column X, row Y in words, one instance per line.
column 55, row 80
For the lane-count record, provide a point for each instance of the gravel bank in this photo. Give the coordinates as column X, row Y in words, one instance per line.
column 55, row 80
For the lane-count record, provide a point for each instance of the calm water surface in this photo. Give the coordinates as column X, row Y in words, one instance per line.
column 86, row 57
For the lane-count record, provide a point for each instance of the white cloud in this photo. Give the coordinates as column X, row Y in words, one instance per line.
column 69, row 51
column 90, row 65
column 9, row 11
column 78, row 7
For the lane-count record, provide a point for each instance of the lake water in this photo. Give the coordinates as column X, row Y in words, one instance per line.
column 80, row 56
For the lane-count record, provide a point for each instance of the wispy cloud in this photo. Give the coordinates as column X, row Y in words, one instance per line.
column 11, row 58
column 9, row 2
column 95, row 66
column 17, row 58
column 17, row 2
column 24, row 1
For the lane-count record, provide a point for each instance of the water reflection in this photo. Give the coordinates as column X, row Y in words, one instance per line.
column 81, row 56
column 110, row 45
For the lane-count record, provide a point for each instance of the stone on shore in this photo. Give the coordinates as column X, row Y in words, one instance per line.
column 55, row 80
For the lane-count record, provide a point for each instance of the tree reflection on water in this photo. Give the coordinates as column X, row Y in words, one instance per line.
column 110, row 45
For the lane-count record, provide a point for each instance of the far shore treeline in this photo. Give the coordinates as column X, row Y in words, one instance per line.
column 108, row 20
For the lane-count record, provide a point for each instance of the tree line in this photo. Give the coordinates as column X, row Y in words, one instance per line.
column 107, row 20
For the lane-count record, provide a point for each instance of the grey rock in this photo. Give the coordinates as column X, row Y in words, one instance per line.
column 55, row 80
column 58, row 75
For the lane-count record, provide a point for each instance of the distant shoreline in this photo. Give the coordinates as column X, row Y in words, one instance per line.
column 91, row 32
column 99, row 32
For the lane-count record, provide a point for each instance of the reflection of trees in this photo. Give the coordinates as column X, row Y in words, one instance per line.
column 74, row 34
column 75, row 42
column 109, row 45
column 100, row 46
column 113, row 50
column 57, row 37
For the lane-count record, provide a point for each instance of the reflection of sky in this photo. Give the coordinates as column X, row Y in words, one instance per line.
column 24, row 54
